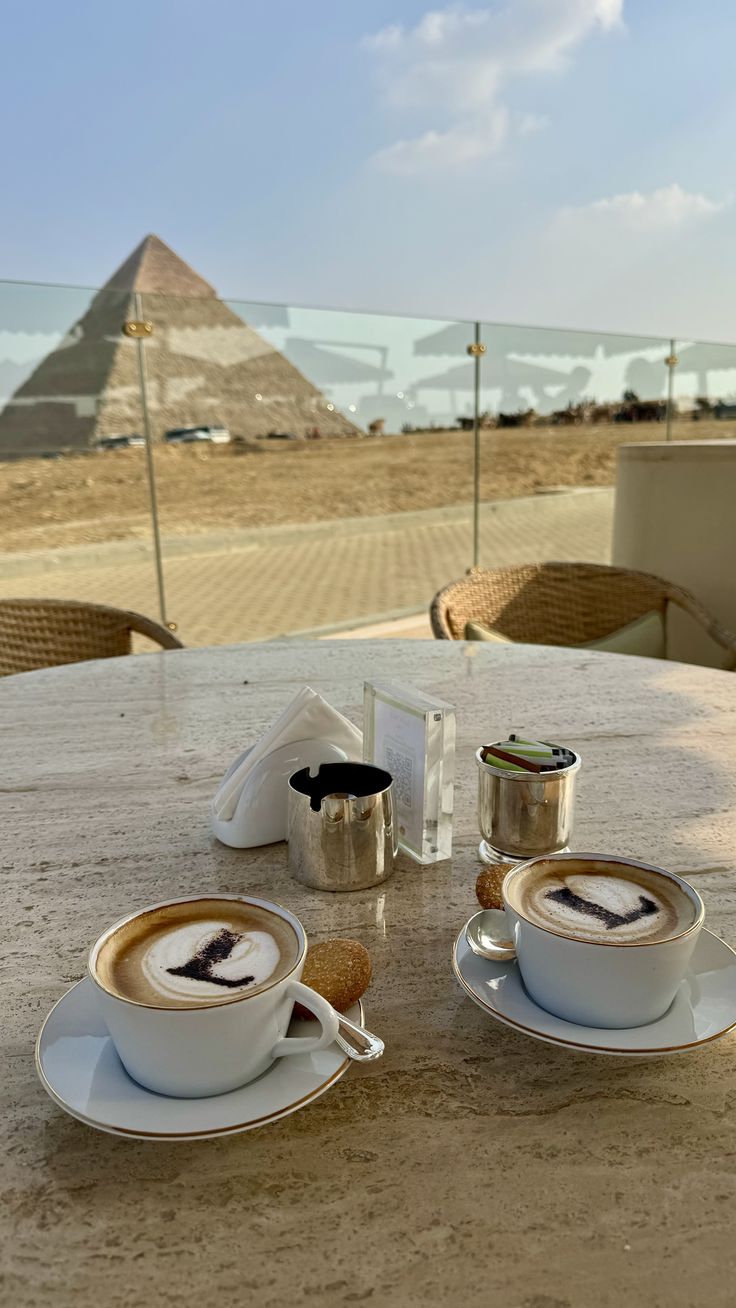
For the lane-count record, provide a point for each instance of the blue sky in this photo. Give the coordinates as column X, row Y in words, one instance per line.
column 560, row 162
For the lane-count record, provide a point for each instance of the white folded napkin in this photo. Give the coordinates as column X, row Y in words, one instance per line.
column 307, row 717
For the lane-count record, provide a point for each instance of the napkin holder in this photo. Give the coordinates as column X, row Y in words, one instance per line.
column 260, row 816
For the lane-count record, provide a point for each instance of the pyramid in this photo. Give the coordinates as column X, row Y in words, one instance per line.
column 204, row 364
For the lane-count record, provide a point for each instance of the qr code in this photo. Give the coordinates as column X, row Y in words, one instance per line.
column 401, row 767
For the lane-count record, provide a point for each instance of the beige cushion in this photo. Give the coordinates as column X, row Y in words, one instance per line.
column 645, row 636
column 474, row 631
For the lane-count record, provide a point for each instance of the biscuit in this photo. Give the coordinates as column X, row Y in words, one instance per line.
column 340, row 970
column 488, row 885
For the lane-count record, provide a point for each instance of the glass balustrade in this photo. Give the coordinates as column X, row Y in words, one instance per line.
column 344, row 492
column 554, row 406
column 75, row 520
column 313, row 471
column 704, row 390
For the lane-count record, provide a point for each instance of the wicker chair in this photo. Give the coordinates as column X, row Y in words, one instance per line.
column 40, row 633
column 562, row 603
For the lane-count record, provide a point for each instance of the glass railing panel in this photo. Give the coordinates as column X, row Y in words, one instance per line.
column 75, row 520
column 555, row 406
column 343, row 496
column 340, row 493
column 704, row 391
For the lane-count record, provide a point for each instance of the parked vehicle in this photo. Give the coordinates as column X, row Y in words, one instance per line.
column 119, row 442
column 190, row 435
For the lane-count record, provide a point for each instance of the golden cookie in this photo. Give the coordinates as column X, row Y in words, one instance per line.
column 340, row 970
column 488, row 885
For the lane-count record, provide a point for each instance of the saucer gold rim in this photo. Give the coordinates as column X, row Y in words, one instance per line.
column 565, row 1043
column 132, row 1134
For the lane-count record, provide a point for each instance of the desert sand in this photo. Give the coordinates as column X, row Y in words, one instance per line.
column 90, row 498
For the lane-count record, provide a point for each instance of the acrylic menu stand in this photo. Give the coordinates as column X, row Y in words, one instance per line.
column 412, row 736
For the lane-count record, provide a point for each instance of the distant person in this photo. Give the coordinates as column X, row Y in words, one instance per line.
column 570, row 394
column 574, row 389
column 647, row 380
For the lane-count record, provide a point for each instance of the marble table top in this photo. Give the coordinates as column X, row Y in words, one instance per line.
column 472, row 1165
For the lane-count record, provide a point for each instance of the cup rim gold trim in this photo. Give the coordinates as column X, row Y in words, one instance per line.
column 606, row 858
column 192, row 899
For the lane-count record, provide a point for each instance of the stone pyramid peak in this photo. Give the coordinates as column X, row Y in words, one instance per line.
column 154, row 268
column 206, row 366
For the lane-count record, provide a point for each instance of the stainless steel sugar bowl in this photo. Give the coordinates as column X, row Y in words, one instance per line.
column 524, row 814
column 342, row 829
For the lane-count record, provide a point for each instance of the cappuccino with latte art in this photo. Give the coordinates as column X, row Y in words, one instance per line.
column 600, row 941
column 603, row 902
column 203, row 951
column 197, row 993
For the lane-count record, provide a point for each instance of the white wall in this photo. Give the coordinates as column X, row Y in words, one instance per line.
column 675, row 515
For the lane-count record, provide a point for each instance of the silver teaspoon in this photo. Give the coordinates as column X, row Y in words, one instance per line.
column 364, row 1048
column 487, row 934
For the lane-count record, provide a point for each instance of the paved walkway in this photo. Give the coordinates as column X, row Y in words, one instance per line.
column 222, row 589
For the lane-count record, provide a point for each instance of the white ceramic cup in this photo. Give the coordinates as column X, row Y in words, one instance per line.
column 193, row 1052
column 597, row 983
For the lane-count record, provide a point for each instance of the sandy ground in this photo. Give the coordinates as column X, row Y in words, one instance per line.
column 87, row 499
column 221, row 591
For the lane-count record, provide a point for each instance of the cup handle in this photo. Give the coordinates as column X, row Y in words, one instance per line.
column 326, row 1016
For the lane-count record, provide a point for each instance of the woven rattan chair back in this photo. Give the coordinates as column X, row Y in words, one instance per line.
column 40, row 633
column 562, row 604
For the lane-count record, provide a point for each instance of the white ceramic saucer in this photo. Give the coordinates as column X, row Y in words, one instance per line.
column 704, row 1008
column 79, row 1068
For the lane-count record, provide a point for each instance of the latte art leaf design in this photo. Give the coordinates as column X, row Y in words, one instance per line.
column 610, row 919
column 199, row 968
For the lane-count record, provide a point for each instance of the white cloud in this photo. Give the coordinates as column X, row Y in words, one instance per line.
column 667, row 207
column 529, row 123
column 442, row 151
column 457, row 61
column 389, row 38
